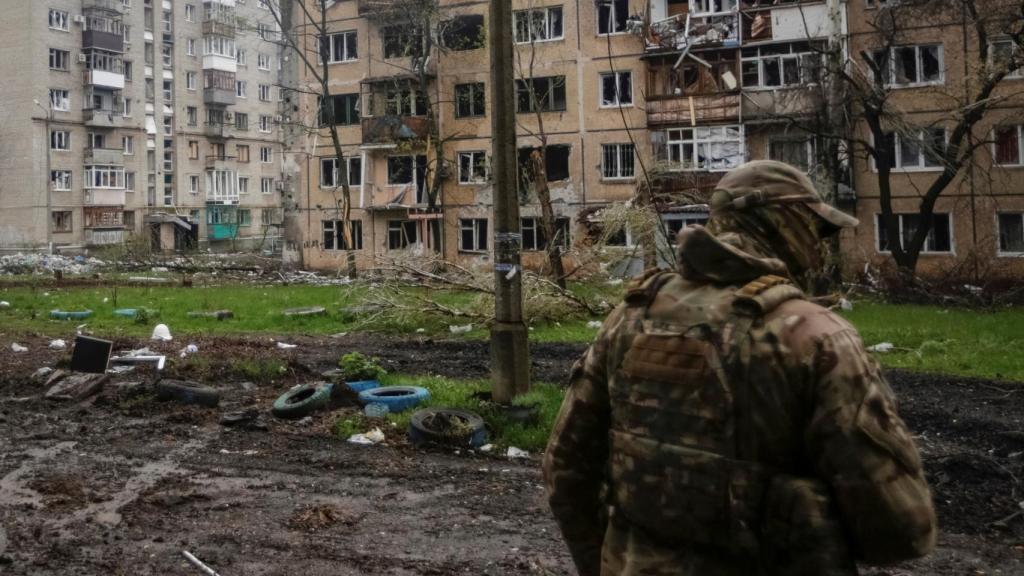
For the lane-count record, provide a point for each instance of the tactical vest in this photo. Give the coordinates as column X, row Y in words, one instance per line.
column 677, row 465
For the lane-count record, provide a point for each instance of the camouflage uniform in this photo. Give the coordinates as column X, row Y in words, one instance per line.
column 721, row 424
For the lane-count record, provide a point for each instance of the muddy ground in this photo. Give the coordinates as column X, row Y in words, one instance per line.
column 120, row 485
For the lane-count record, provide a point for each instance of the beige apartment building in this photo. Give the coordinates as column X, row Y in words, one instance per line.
column 154, row 120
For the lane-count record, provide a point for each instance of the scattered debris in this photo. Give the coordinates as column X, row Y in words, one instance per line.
column 17, row 264
column 148, row 280
column 514, row 452
column 198, row 563
column 75, row 386
column 882, row 347
column 845, row 304
column 374, row 436
column 460, row 329
column 141, row 356
column 190, row 349
column 318, row 517
column 91, row 355
column 376, row 410
column 594, row 324
column 58, row 344
column 245, row 419
column 4, row 304
column 445, row 426
column 161, row 332
column 487, row 447
column 218, row 314
column 284, row 346
column 43, row 372
column 187, row 392
column 18, row 347
column 121, row 369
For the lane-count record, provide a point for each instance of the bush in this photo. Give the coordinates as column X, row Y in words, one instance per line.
column 356, row 367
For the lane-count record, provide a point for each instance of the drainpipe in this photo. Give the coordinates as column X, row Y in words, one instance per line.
column 47, row 218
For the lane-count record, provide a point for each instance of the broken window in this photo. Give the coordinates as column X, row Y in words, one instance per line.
column 472, row 234
column 330, row 177
column 401, row 41
column 472, row 167
column 712, row 6
column 464, row 32
column 401, row 234
column 534, row 238
column 400, row 170
column 712, row 148
column 341, row 109
column 611, row 16
column 1008, row 145
column 910, row 65
column 795, row 151
column 778, row 65
column 60, row 221
column 939, row 239
column 537, row 25
column 334, row 237
column 405, row 102
column 618, row 161
column 470, row 100
column 545, row 94
column 617, row 89
column 556, row 163
column 340, row 47
column 677, row 221
column 1003, row 52
column 1011, row 233
column 919, row 149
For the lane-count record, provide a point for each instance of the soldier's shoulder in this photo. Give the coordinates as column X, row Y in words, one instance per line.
column 801, row 324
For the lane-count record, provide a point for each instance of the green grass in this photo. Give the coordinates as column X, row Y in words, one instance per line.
column 944, row 340
column 449, row 393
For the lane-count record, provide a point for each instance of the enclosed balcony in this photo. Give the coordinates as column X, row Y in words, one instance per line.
column 104, row 156
column 221, row 222
column 98, row 118
column 103, row 218
column 104, row 79
column 690, row 110
column 216, row 130
column 691, row 91
column 103, row 197
column 393, row 129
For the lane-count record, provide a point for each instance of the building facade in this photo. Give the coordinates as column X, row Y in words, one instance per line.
column 146, row 120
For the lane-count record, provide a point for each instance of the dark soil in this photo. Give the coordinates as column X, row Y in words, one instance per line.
column 121, row 484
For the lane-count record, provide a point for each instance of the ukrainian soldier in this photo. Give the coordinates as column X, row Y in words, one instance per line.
column 722, row 424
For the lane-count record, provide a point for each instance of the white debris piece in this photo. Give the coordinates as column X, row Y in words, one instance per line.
column 487, row 447
column 161, row 332
column 594, row 324
column 460, row 329
column 374, row 436
column 614, row 282
column 882, row 347
column 42, row 373
column 845, row 304
column 284, row 346
column 514, row 452
column 421, row 330
column 18, row 347
column 58, row 345
column 190, row 349
column 4, row 304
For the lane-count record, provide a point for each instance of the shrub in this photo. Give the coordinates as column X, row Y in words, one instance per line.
column 356, row 366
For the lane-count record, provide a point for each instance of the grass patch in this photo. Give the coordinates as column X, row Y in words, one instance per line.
column 944, row 340
column 449, row 393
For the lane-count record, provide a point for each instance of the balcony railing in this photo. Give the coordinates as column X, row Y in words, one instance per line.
column 104, row 156
column 219, row 28
column 221, row 162
column 108, row 41
column 103, row 197
column 216, row 130
column 108, row 6
column 104, row 237
column 392, row 129
column 98, row 118
column 104, row 79
column 688, row 110
column 218, row 97
column 682, row 31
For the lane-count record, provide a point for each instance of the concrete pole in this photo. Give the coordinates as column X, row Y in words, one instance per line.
column 510, row 365
column 48, row 184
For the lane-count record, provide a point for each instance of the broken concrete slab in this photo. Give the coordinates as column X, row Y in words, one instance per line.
column 76, row 387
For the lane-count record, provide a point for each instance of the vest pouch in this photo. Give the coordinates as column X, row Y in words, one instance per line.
column 801, row 534
column 682, row 495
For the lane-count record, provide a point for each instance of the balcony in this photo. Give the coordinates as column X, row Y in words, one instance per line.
column 692, row 110
column 110, row 7
column 108, row 41
column 103, row 218
column 103, row 197
column 218, row 62
column 216, row 130
column 104, row 156
column 392, row 129
column 221, row 231
column 102, row 118
column 218, row 97
column 104, row 79
column 221, row 162
column 690, row 31
column 219, row 28
column 103, row 237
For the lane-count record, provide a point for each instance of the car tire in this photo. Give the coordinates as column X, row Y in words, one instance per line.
column 422, row 428
column 187, row 393
column 396, row 398
column 301, row 401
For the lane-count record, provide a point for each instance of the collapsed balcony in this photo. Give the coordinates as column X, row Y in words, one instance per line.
column 395, row 111
column 692, row 90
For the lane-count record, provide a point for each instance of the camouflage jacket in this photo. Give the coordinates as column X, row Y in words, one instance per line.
column 815, row 407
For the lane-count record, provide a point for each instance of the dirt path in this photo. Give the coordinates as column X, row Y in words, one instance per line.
column 123, row 484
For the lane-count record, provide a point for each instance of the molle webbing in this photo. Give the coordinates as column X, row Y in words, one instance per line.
column 765, row 294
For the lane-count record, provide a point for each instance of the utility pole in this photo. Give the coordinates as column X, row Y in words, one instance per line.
column 48, row 182
column 510, row 357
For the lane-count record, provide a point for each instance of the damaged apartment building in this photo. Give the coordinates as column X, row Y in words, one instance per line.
column 155, row 121
column 623, row 94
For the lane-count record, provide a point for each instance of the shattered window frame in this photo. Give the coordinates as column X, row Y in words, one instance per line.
column 692, row 149
column 532, row 230
column 402, row 234
column 1011, row 233
column 473, row 234
column 473, row 167
column 898, row 63
column 333, row 238
column 938, row 234
column 795, row 64
column 535, row 25
column 616, row 89
column 612, row 16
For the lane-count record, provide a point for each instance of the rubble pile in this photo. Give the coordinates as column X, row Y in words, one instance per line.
column 14, row 264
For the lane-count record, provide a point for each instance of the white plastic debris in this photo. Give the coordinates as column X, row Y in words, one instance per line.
column 58, row 344
column 161, row 332
column 594, row 324
column 614, row 282
column 460, row 329
column 284, row 346
column 514, row 452
column 421, row 330
column 42, row 373
column 105, row 300
column 374, row 436
column 487, row 447
column 18, row 347
column 190, row 349
column 845, row 304
column 121, row 369
column 4, row 304
column 882, row 347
